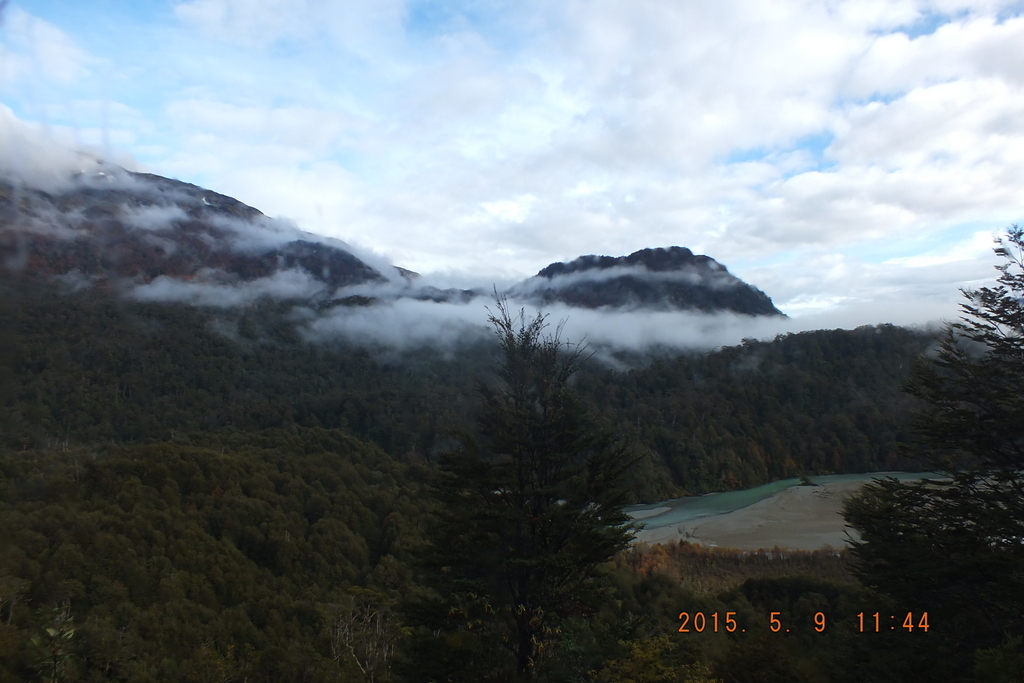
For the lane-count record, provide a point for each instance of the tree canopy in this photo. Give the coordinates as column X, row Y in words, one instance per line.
column 535, row 506
column 955, row 547
column 202, row 494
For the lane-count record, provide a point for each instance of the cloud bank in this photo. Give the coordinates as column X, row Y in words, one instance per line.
column 205, row 290
column 408, row 324
column 715, row 279
column 45, row 159
column 820, row 149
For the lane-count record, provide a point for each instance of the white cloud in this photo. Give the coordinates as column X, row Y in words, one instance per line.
column 977, row 247
column 510, row 210
column 34, row 49
column 156, row 218
column 312, row 130
column 249, row 22
column 406, row 323
column 490, row 140
column 835, row 289
column 979, row 47
column 44, row 157
column 715, row 279
column 285, row 284
column 263, row 22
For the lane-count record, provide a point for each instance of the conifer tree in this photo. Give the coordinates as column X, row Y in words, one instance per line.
column 534, row 507
column 956, row 547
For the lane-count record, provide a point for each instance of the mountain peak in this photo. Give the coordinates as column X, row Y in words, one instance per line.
column 664, row 278
column 160, row 238
column 660, row 259
column 136, row 228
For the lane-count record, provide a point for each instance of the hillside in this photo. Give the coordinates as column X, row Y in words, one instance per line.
column 156, row 238
column 196, row 488
column 87, row 368
column 655, row 279
column 123, row 228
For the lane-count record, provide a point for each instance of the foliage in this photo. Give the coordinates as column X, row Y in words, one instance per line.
column 215, row 497
column 54, row 644
column 705, row 569
column 653, row 660
column 973, row 427
column 85, row 367
column 363, row 630
column 173, row 560
column 811, row 403
column 531, row 513
column 956, row 547
column 1002, row 664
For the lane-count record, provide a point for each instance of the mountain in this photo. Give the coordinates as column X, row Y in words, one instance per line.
column 660, row 279
column 124, row 227
column 161, row 239
column 200, row 493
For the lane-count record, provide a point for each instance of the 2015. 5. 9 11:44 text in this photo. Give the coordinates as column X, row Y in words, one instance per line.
column 715, row 622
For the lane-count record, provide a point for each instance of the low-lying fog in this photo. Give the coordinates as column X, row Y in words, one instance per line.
column 397, row 318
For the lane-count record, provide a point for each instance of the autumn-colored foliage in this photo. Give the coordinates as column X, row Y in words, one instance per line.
column 705, row 569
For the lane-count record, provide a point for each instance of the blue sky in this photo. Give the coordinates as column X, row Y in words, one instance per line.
column 849, row 157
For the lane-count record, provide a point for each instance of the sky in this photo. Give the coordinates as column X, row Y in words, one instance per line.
column 851, row 158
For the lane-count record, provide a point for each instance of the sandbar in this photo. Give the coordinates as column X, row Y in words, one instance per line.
column 798, row 518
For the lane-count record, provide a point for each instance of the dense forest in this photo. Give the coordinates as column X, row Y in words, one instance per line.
column 89, row 368
column 266, row 557
column 202, row 495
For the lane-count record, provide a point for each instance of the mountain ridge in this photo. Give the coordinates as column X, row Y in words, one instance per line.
column 139, row 227
column 671, row 278
column 160, row 237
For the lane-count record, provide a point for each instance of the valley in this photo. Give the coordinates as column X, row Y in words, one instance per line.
column 223, row 456
column 786, row 514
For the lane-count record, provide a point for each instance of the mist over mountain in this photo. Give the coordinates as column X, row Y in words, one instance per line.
column 657, row 279
column 182, row 369
column 157, row 239
column 124, row 229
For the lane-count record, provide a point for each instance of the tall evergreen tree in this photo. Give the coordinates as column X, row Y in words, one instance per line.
column 531, row 509
column 956, row 547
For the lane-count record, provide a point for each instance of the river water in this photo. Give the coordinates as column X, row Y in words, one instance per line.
column 676, row 510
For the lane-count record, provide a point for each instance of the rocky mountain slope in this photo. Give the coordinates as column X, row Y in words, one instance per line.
column 660, row 279
column 137, row 227
column 163, row 239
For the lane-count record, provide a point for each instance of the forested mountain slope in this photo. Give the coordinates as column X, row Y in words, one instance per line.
column 87, row 368
column 198, row 484
column 810, row 403
column 193, row 493
column 179, row 560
